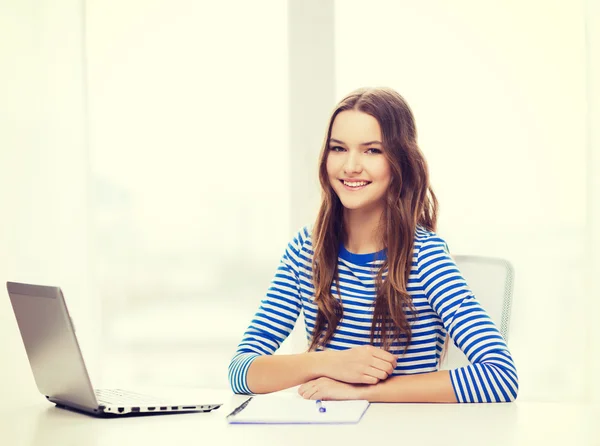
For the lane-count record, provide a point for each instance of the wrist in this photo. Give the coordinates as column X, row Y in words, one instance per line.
column 319, row 364
column 322, row 361
column 378, row 392
column 374, row 392
column 365, row 391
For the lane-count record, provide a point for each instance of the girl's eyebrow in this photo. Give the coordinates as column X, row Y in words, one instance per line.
column 337, row 141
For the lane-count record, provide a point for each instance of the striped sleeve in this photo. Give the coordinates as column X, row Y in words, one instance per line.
column 492, row 375
column 274, row 320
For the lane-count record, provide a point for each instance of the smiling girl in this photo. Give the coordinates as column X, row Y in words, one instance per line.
column 376, row 285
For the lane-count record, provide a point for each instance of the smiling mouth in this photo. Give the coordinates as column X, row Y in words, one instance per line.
column 355, row 185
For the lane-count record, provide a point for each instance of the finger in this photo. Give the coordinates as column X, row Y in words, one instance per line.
column 376, row 373
column 316, row 396
column 305, row 391
column 383, row 365
column 310, row 394
column 368, row 379
column 385, row 355
column 305, row 386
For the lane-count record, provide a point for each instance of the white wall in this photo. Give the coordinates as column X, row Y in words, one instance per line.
column 189, row 152
column 498, row 90
column 43, row 171
column 311, row 35
column 592, row 13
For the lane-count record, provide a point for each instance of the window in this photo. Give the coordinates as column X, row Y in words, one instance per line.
column 188, row 117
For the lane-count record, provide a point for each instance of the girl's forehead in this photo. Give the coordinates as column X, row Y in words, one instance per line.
column 353, row 126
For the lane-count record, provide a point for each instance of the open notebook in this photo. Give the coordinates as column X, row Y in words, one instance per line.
column 287, row 408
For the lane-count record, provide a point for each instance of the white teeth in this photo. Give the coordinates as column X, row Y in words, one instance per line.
column 356, row 184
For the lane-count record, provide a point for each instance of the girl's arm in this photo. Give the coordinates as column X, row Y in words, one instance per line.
column 254, row 368
column 271, row 325
column 361, row 365
column 271, row 373
column 433, row 387
column 491, row 376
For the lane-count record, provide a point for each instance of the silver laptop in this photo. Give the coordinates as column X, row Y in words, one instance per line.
column 57, row 363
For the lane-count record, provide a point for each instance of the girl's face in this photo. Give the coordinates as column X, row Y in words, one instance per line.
column 358, row 171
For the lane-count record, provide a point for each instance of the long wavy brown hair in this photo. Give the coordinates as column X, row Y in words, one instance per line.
column 410, row 202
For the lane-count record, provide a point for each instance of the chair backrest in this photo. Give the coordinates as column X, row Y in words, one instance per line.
column 491, row 280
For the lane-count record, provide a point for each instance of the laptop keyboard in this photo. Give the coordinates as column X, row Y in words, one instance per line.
column 124, row 398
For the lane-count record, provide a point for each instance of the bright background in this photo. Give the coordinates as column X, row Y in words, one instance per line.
column 157, row 156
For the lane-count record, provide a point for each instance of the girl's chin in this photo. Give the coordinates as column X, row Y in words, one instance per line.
column 355, row 206
column 361, row 205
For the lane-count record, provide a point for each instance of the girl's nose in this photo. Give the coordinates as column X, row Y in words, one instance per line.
column 352, row 164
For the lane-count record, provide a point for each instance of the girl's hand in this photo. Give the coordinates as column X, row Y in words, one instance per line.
column 329, row 389
column 359, row 365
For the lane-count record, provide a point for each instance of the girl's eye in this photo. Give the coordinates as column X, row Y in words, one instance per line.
column 372, row 150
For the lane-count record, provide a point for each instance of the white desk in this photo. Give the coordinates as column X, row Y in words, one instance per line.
column 518, row 423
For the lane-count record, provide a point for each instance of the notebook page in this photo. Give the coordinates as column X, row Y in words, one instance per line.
column 285, row 408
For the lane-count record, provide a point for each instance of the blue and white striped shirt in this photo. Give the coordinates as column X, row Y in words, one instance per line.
column 443, row 302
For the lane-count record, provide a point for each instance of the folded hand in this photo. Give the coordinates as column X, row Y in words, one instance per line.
column 359, row 365
column 329, row 389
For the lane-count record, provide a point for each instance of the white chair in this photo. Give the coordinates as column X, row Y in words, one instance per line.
column 491, row 280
